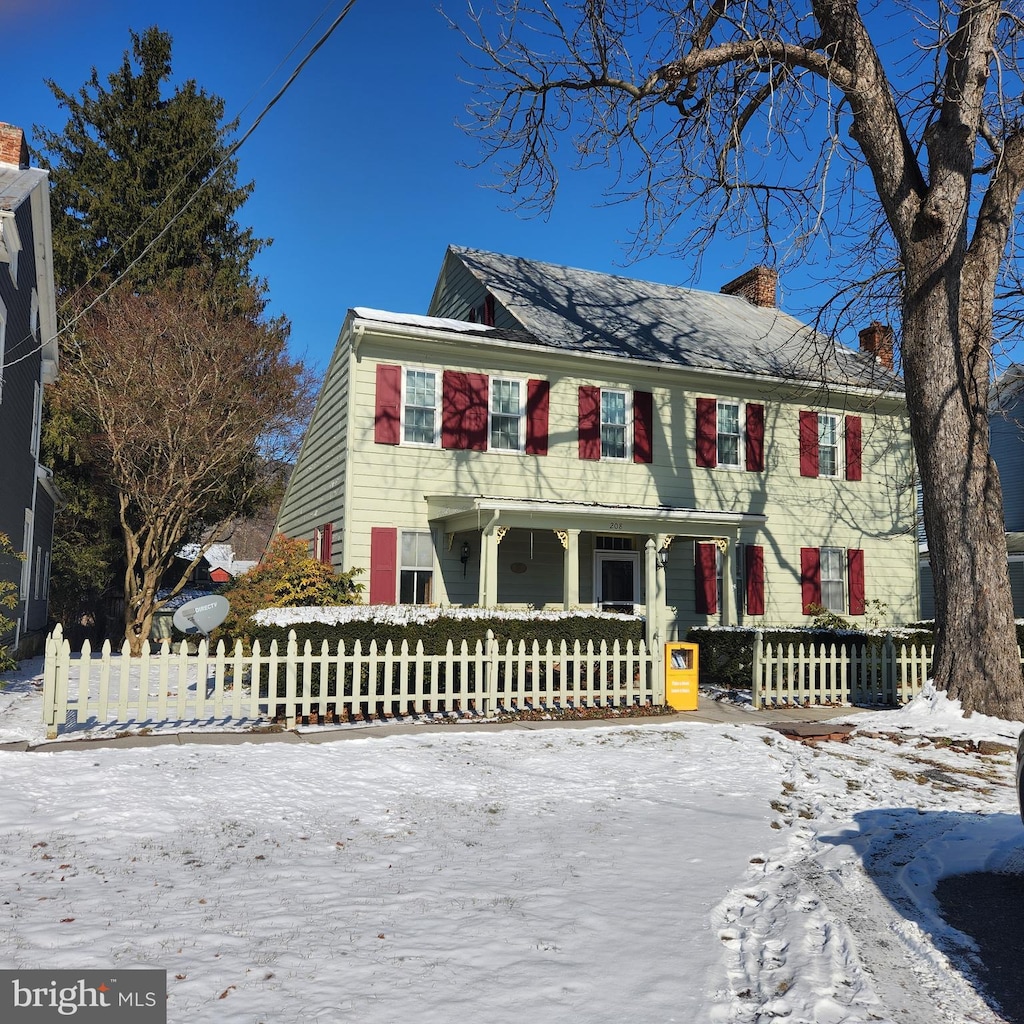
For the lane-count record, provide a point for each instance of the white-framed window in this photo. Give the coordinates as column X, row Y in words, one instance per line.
column 833, row 579
column 419, row 407
column 26, row 565
column 828, row 445
column 37, row 416
column 3, row 343
column 614, row 423
column 10, row 244
column 506, row 409
column 730, row 444
column 416, row 568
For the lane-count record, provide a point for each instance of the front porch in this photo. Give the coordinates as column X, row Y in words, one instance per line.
column 627, row 550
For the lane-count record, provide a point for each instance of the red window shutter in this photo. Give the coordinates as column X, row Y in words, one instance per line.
column 383, row 564
column 537, row 400
column 590, row 422
column 489, row 311
column 755, row 438
column 855, row 573
column 464, row 410
column 707, row 432
column 706, row 573
column 808, row 443
column 387, row 415
column 810, row 578
column 853, row 448
column 643, row 426
column 754, row 572
column 326, row 542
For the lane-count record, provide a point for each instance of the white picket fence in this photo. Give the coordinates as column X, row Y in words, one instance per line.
column 335, row 684
column 885, row 674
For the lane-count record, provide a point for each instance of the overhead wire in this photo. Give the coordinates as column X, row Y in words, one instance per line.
column 228, row 156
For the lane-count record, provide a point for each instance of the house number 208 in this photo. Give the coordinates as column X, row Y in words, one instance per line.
column 615, row 526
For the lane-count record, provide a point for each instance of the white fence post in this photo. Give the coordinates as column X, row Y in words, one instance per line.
column 757, row 671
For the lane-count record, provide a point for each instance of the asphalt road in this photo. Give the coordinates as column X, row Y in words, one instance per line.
column 990, row 909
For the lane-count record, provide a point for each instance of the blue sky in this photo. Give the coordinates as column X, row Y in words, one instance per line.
column 359, row 169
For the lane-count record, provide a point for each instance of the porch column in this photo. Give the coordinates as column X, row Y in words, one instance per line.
column 490, row 538
column 654, row 593
column 443, row 542
column 727, row 547
column 570, row 541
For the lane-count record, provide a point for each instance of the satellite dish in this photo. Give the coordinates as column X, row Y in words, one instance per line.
column 201, row 614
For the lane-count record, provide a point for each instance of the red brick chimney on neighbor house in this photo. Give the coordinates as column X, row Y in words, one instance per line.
column 877, row 341
column 13, row 147
column 757, row 286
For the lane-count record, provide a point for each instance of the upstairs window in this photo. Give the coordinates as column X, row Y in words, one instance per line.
column 728, row 424
column 730, row 434
column 614, row 443
column 824, row 439
column 506, row 415
column 419, row 407
column 828, row 445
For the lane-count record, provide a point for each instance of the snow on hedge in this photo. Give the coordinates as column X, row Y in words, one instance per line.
column 413, row 614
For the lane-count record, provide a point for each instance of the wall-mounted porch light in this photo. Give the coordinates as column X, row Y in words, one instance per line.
column 464, row 556
column 662, row 556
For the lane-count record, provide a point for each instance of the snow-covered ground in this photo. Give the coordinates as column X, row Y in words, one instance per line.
column 644, row 872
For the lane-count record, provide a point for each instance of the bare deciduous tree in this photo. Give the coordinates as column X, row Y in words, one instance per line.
column 891, row 137
column 192, row 405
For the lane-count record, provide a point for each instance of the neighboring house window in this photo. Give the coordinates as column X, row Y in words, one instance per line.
column 37, row 413
column 10, row 244
column 730, row 434
column 416, row 578
column 832, row 578
column 605, row 418
column 820, row 445
column 419, row 407
column 3, row 341
column 26, row 566
column 506, row 415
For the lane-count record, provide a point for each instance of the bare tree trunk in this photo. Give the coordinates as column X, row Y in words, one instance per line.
column 947, row 379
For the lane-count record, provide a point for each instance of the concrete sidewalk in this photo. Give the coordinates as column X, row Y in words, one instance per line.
column 805, row 722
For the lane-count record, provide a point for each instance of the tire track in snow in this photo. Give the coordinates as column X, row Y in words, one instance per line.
column 818, row 922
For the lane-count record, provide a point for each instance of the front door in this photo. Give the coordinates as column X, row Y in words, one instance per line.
column 615, row 583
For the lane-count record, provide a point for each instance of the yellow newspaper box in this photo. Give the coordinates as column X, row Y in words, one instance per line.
column 681, row 676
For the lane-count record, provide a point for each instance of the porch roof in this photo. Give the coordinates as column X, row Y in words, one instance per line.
column 458, row 513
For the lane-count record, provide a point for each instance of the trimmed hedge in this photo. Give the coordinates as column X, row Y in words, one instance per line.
column 436, row 633
column 727, row 654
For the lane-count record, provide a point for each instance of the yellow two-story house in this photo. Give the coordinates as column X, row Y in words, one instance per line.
column 554, row 438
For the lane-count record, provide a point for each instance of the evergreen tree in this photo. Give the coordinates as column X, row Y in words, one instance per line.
column 144, row 192
column 142, row 185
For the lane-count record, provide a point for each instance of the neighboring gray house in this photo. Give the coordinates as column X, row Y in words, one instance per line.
column 28, row 355
column 1006, row 427
column 555, row 438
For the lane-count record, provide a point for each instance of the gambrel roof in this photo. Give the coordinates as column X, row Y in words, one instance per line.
column 604, row 314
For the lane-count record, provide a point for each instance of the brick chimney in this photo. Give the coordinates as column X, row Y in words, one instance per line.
column 757, row 286
column 13, row 147
column 877, row 341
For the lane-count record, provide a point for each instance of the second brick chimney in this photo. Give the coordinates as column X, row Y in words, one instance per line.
column 757, row 286
column 877, row 341
column 13, row 147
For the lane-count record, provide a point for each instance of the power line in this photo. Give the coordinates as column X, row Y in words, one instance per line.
column 226, row 159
